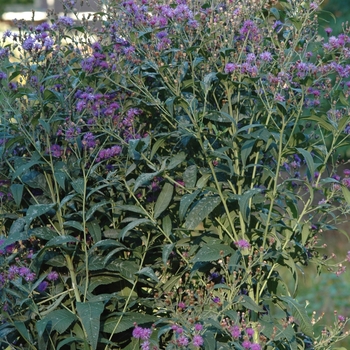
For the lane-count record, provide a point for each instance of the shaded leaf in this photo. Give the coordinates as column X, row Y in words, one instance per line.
column 213, row 252
column 60, row 320
column 185, row 203
column 164, row 199
column 90, row 313
column 148, row 271
column 201, row 211
column 190, row 176
column 17, row 192
column 132, row 225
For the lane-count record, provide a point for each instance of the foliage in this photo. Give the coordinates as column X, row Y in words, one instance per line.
column 163, row 176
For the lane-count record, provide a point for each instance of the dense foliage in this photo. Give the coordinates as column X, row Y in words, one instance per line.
column 166, row 172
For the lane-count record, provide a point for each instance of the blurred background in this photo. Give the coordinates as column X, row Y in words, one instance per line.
column 324, row 293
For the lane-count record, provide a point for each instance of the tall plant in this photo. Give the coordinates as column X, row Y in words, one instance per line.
column 166, row 176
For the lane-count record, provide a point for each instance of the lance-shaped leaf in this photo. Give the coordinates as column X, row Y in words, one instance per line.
column 201, row 211
column 164, row 199
column 90, row 313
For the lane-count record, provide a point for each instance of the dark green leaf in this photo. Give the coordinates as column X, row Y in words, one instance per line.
column 60, row 240
column 128, row 320
column 148, row 272
column 185, row 203
column 59, row 320
column 164, row 199
column 17, row 193
column 201, row 211
column 190, row 176
column 90, row 313
column 78, row 185
column 166, row 251
column 213, row 252
column 94, row 230
column 37, row 210
column 144, row 179
column 176, row 160
column 309, row 160
column 44, row 233
column 92, row 210
column 300, row 314
column 132, row 225
column 246, row 150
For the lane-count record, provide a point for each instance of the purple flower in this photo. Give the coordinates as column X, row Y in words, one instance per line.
column 3, row 75
column 197, row 341
column 246, row 344
column 242, row 244
column 52, row 276
column 141, row 333
column 145, row 345
column 266, row 56
column 89, row 140
column 328, row 30
column 181, row 305
column 255, row 346
column 250, row 332
column 235, row 331
column 230, row 67
column 182, row 341
column 341, row 318
column 42, row 286
column 56, row 151
column 216, row 300
column 198, row 327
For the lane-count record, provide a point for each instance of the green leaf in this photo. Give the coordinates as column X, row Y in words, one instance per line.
column 22, row 329
column 190, row 176
column 244, row 200
column 346, row 194
column 92, row 210
column 164, row 199
column 95, row 230
column 37, row 210
column 213, row 252
column 17, row 193
column 127, row 321
column 17, row 226
column 60, row 320
column 166, row 251
column 144, row 179
column 185, row 203
column 246, row 150
column 167, row 225
column 148, row 272
column 75, row 224
column 78, row 185
column 248, row 303
column 96, row 281
column 299, row 313
column 309, row 160
column 44, row 233
column 132, row 225
column 176, row 160
column 60, row 240
column 90, row 313
column 201, row 211
column 132, row 208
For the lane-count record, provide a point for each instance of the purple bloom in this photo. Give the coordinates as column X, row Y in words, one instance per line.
column 198, row 327
column 197, row 341
column 52, row 276
column 3, row 75
column 182, row 341
column 341, row 318
column 266, row 56
column 42, row 286
column 89, row 140
column 246, row 344
column 235, row 331
column 56, row 151
column 230, row 67
column 250, row 332
column 141, row 333
column 242, row 244
column 145, row 345
column 255, row 346
column 181, row 305
column 216, row 300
